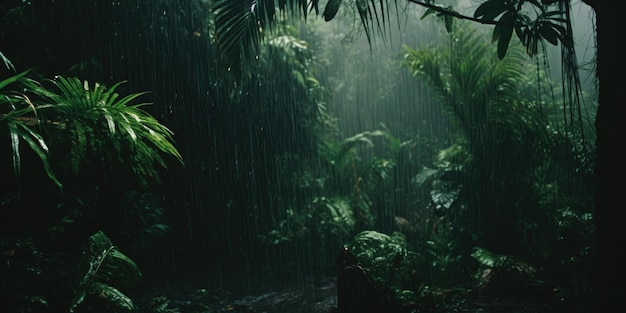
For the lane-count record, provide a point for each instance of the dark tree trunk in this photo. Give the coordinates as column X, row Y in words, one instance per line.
column 609, row 260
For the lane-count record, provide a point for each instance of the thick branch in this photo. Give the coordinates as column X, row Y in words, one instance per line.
column 443, row 10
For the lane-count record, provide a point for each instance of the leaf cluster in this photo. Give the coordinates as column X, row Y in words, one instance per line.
column 92, row 120
column 341, row 190
column 499, row 273
column 87, row 137
column 387, row 261
column 240, row 25
column 542, row 23
column 96, row 118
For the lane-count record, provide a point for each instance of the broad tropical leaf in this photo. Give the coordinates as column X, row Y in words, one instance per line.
column 108, row 265
column 503, row 32
column 332, row 7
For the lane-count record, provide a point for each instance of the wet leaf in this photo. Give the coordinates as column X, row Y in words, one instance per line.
column 332, row 7
column 491, row 9
column 549, row 34
column 503, row 32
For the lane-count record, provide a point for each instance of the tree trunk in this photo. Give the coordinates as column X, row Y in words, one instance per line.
column 610, row 168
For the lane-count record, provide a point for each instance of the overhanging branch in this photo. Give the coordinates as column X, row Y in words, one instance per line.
column 443, row 10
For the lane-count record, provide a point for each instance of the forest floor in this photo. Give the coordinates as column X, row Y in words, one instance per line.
column 305, row 296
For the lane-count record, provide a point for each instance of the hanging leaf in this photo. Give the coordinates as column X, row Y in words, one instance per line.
column 332, row 7
column 315, row 6
column 449, row 22
column 446, row 13
column 491, row 9
column 20, row 118
column 549, row 33
column 503, row 33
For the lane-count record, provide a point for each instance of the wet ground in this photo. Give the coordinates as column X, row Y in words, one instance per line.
column 307, row 296
column 258, row 297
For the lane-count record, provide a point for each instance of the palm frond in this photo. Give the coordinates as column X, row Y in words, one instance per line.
column 474, row 83
column 20, row 121
column 236, row 29
column 129, row 119
column 97, row 119
column 240, row 25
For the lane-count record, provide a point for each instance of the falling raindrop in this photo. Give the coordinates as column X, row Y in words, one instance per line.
column 414, row 141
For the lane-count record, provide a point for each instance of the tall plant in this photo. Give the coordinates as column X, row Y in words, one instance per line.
column 19, row 123
column 503, row 133
column 94, row 145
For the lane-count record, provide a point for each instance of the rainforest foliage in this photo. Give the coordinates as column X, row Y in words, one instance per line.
column 175, row 140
